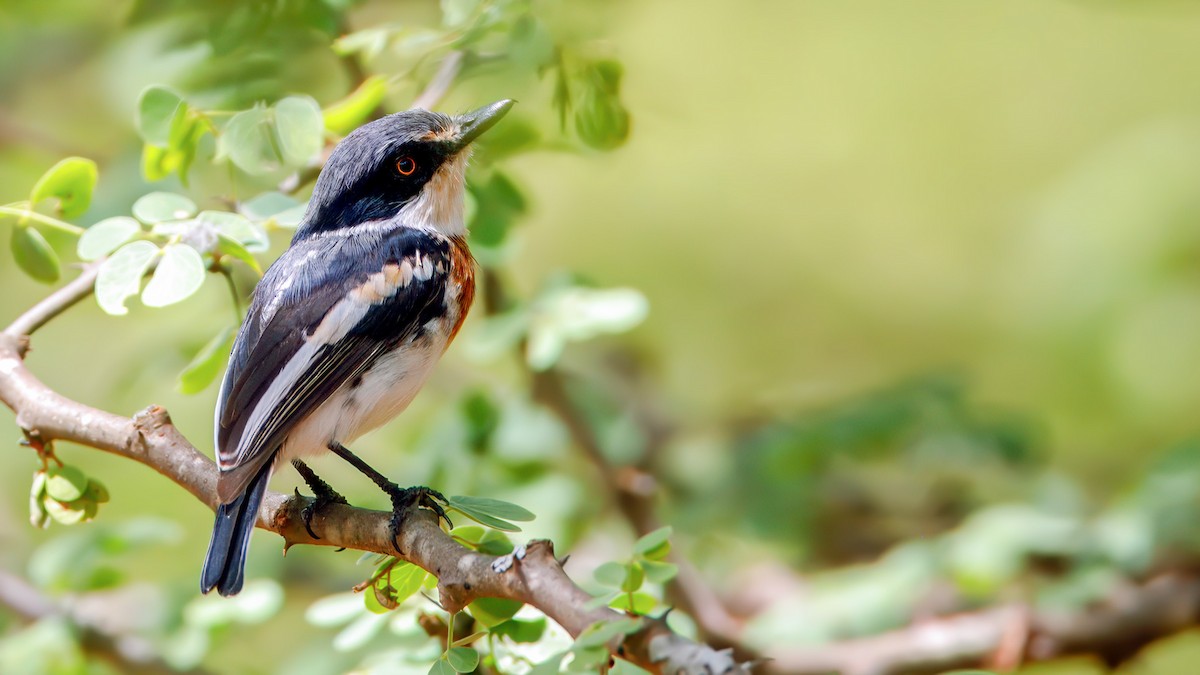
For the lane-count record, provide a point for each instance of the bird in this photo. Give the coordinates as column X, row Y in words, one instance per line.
column 347, row 324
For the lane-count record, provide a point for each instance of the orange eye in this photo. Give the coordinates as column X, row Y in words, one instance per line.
column 406, row 166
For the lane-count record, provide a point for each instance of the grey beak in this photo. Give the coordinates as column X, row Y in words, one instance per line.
column 473, row 124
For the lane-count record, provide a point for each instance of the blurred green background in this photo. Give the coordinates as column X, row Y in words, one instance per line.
column 982, row 217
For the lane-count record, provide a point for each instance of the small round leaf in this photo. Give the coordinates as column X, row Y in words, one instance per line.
column 105, row 236
column 207, row 363
column 247, row 142
column 155, row 111
column 158, row 207
column 67, row 513
column 121, row 275
column 299, row 129
column 180, row 273
column 462, row 659
column 96, row 491
column 65, row 483
column 71, row 181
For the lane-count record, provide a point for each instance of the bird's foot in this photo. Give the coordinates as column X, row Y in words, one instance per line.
column 404, row 499
column 323, row 494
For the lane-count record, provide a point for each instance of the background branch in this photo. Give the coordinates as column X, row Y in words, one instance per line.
column 1115, row 631
column 124, row 651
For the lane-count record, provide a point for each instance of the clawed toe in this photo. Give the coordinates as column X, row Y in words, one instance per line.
column 405, row 498
column 323, row 495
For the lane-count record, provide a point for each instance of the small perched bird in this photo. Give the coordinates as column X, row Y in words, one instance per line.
column 346, row 326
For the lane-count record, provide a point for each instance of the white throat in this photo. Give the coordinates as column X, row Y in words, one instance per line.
column 439, row 207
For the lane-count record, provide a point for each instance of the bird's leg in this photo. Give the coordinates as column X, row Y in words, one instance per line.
column 402, row 498
column 323, row 493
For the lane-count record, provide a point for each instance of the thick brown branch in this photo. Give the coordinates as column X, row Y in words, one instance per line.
column 533, row 576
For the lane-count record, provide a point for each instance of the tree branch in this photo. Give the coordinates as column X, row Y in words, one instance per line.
column 124, row 651
column 531, row 575
column 441, row 82
column 55, row 303
column 633, row 489
column 1006, row 637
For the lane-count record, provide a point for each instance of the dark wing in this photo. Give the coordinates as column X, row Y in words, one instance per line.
column 322, row 314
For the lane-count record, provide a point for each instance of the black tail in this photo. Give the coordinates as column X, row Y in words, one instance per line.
column 225, row 565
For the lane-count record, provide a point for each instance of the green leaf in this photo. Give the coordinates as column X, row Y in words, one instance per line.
column 634, row 576
column 183, row 141
column 158, row 207
column 347, row 114
column 96, row 492
column 462, row 659
column 610, row 574
column 530, row 44
column 495, row 542
column 483, row 416
column 299, row 129
column 238, row 228
column 600, row 118
column 576, row 313
column 470, row 534
column 490, row 512
column 248, row 141
column 71, row 182
column 379, row 600
column 66, row 513
column 158, row 162
column 519, row 630
column 65, row 483
column 179, row 274
column 654, row 545
column 368, row 42
column 659, row 572
column 105, row 236
column 155, row 111
column 230, row 247
column 441, row 667
column 206, row 364
column 498, row 202
column 550, row 666
column 121, row 275
column 588, row 660
column 637, row 603
column 38, row 516
column 456, row 12
column 401, row 582
column 599, row 633
column 517, row 134
column 599, row 601
column 485, row 519
column 491, row 611
column 267, row 205
column 34, row 255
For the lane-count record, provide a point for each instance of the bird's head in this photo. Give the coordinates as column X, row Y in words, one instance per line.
column 409, row 166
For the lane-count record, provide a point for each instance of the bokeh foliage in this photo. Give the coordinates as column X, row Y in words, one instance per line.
column 919, row 293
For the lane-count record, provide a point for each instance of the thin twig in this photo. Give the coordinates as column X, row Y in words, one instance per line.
column 55, row 303
column 441, row 82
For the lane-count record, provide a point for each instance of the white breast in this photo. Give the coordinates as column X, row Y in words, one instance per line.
column 383, row 393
